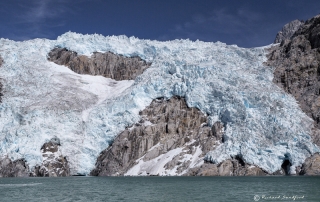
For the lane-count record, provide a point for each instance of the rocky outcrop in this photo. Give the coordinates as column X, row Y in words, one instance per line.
column 170, row 139
column 311, row 166
column 54, row 163
column 107, row 64
column 288, row 30
column 297, row 69
column 169, row 129
column 17, row 168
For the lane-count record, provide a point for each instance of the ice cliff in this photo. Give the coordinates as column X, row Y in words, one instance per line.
column 42, row 100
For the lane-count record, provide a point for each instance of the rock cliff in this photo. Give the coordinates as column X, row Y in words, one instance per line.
column 17, row 168
column 288, row 30
column 170, row 139
column 311, row 166
column 107, row 64
column 54, row 163
column 297, row 70
column 167, row 126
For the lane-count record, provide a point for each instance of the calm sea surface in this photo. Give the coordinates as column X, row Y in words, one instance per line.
column 161, row 189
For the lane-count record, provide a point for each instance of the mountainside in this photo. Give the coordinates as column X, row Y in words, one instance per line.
column 288, row 30
column 89, row 104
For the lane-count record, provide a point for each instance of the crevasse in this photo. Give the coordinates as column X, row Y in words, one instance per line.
column 42, row 100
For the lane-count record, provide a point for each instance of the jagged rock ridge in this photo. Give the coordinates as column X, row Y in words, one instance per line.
column 288, row 30
column 166, row 125
column 311, row 165
column 170, row 139
column 54, row 163
column 16, row 168
column 297, row 71
column 107, row 64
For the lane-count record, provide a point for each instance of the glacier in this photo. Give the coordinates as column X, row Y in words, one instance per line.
column 42, row 100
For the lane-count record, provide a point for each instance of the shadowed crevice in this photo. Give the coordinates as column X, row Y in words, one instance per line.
column 286, row 166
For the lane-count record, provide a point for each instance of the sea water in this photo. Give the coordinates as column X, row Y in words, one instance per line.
column 161, row 189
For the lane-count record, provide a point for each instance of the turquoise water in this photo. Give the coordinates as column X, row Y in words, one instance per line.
column 161, row 189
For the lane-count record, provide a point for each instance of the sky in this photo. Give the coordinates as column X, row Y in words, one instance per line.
column 246, row 23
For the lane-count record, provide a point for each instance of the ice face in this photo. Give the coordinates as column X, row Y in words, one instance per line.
column 42, row 100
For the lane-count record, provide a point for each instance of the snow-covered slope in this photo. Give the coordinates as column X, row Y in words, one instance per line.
column 43, row 100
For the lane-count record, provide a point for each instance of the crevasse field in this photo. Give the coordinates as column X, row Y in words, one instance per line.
column 42, row 100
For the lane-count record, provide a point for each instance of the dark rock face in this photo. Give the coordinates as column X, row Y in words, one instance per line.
column 17, row 168
column 54, row 164
column 168, row 125
column 288, row 30
column 297, row 69
column 311, row 166
column 108, row 64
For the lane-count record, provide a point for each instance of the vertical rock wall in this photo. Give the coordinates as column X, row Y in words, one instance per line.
column 170, row 139
column 17, row 168
column 297, row 71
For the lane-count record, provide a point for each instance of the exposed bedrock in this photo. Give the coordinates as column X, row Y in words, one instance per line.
column 170, row 139
column 165, row 126
column 297, row 71
column 311, row 166
column 17, row 168
column 107, row 64
column 288, row 30
column 54, row 164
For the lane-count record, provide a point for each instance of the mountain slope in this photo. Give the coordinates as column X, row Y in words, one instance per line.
column 263, row 125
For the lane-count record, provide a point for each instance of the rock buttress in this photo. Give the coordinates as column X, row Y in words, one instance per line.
column 107, row 64
column 297, row 71
column 170, row 139
column 17, row 168
column 54, row 164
